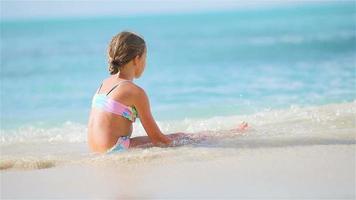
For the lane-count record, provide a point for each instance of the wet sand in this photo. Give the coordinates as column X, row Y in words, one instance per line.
column 315, row 171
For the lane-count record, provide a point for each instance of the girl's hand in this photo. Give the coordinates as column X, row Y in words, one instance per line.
column 162, row 141
column 167, row 141
column 175, row 136
column 243, row 126
column 172, row 139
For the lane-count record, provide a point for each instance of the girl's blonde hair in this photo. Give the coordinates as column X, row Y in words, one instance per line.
column 123, row 48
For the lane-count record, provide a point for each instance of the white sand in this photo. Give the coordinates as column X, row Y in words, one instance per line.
column 314, row 171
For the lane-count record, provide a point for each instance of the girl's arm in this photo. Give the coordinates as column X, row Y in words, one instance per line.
column 142, row 105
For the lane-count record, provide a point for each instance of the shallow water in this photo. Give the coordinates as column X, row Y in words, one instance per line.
column 333, row 124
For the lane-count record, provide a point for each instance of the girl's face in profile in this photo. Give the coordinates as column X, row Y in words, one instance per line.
column 141, row 64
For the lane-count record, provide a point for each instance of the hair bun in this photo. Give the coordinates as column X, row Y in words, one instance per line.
column 115, row 63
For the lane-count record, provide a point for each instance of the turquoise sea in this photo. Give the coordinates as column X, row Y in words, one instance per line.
column 200, row 65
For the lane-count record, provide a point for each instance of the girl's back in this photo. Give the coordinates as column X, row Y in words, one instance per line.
column 104, row 128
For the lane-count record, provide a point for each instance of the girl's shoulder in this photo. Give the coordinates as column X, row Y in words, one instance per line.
column 131, row 87
column 135, row 89
column 136, row 93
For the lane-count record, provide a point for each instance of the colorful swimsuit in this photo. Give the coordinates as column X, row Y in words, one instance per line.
column 102, row 101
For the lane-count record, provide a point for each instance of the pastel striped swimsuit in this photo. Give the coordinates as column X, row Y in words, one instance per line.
column 102, row 101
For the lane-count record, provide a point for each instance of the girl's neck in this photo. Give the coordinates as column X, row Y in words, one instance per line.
column 123, row 76
column 126, row 73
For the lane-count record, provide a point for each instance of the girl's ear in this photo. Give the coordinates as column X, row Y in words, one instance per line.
column 136, row 60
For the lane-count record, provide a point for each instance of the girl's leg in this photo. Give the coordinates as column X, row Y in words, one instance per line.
column 145, row 141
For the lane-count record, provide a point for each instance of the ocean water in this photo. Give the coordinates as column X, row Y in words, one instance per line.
column 288, row 70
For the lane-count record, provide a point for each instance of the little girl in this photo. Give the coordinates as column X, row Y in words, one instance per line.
column 118, row 101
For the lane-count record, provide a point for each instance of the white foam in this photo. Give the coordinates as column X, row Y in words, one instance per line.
column 296, row 119
column 333, row 124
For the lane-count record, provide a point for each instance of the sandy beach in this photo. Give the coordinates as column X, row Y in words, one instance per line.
column 301, row 172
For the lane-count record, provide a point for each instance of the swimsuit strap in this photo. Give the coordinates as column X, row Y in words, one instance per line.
column 100, row 87
column 116, row 86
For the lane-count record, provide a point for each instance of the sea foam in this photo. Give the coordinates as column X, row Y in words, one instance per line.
column 333, row 124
